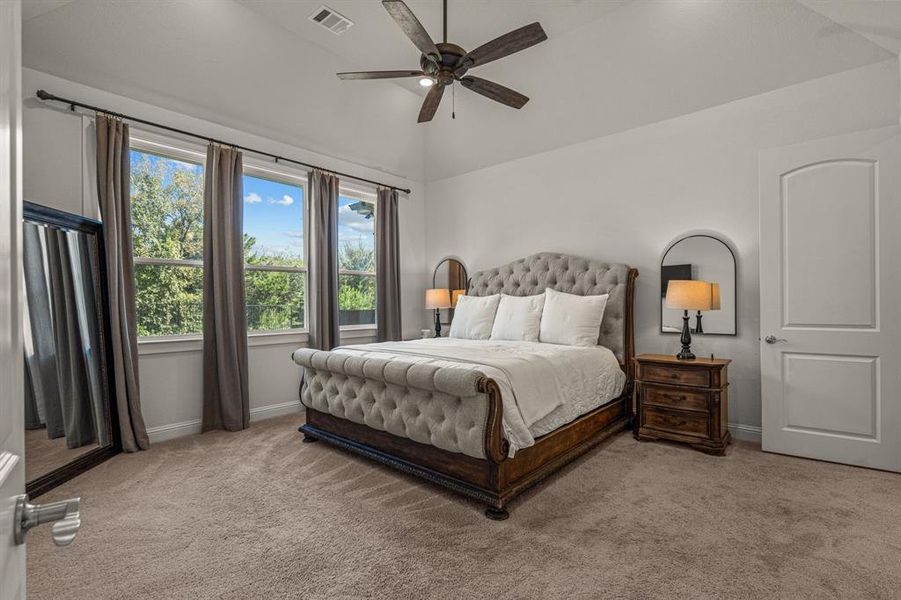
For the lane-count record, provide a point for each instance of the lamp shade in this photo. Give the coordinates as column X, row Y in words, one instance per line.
column 455, row 295
column 714, row 296
column 437, row 298
column 688, row 295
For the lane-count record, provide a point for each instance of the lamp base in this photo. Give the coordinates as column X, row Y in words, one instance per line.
column 686, row 353
column 437, row 323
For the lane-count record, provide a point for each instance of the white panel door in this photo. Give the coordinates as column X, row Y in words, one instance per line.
column 12, row 426
column 830, row 299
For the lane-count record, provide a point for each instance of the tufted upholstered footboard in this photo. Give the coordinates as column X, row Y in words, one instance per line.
column 456, row 410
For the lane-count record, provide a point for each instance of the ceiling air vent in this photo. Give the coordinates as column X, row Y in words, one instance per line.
column 331, row 20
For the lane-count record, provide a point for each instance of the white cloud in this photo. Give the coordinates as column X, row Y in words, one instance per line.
column 296, row 237
column 355, row 221
column 252, row 198
column 286, row 200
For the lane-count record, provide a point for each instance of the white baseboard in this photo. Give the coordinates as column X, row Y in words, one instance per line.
column 171, row 431
column 275, row 410
column 161, row 433
column 750, row 433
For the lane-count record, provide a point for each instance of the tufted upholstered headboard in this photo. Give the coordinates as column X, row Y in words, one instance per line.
column 573, row 275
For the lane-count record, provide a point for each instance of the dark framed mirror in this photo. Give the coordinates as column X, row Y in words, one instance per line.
column 450, row 273
column 71, row 423
column 708, row 258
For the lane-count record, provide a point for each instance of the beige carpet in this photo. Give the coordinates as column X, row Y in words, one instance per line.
column 258, row 514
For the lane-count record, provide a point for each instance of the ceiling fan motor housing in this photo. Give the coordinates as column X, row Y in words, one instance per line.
column 443, row 71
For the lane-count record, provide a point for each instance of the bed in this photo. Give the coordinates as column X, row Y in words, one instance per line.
column 468, row 415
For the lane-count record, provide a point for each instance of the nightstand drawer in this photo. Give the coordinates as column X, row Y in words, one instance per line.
column 675, row 375
column 675, row 397
column 684, row 423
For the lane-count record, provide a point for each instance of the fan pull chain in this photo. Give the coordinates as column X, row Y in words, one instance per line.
column 453, row 102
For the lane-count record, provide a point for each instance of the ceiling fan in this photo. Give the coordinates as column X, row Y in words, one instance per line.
column 443, row 64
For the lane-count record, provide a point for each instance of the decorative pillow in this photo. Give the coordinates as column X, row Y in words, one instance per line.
column 570, row 319
column 474, row 317
column 518, row 318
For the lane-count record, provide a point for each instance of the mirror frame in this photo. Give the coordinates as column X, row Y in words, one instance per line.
column 734, row 282
column 448, row 259
column 57, row 218
column 450, row 311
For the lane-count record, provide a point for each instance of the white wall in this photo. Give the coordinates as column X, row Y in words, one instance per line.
column 627, row 196
column 57, row 173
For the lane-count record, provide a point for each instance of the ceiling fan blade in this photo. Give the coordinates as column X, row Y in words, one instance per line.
column 495, row 91
column 411, row 26
column 505, row 45
column 430, row 105
column 379, row 74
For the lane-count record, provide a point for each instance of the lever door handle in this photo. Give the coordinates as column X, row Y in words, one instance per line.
column 772, row 339
column 64, row 515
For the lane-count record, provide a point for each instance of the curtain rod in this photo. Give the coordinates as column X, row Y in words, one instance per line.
column 47, row 96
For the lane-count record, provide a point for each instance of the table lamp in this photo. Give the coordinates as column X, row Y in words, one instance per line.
column 437, row 298
column 714, row 304
column 688, row 295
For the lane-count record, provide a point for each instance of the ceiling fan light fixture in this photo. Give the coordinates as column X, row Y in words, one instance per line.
column 426, row 82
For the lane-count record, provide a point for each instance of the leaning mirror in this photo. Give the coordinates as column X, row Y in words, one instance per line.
column 69, row 421
column 450, row 274
column 706, row 258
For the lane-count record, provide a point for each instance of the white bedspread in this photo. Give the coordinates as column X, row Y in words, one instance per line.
column 542, row 385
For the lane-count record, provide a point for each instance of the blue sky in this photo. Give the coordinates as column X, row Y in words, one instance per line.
column 273, row 213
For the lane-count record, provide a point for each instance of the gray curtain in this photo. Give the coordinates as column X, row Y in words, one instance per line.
column 42, row 407
column 226, row 398
column 113, row 166
column 387, row 257
column 323, row 263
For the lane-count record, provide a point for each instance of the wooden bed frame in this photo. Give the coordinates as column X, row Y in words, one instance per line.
column 498, row 479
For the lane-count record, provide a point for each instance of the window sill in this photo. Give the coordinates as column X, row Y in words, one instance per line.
column 171, row 344
column 167, row 344
column 354, row 332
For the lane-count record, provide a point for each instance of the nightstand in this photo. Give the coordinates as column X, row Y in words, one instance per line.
column 683, row 401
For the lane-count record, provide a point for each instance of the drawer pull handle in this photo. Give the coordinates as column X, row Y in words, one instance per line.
column 674, row 397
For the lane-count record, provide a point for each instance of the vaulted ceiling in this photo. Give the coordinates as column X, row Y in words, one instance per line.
column 262, row 66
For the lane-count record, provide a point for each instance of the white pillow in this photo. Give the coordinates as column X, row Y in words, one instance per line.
column 474, row 316
column 518, row 318
column 572, row 320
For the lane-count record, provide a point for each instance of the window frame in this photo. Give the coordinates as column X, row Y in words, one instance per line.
column 149, row 143
column 370, row 197
column 183, row 150
column 287, row 176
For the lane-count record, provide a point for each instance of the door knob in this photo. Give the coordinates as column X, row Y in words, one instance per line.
column 772, row 339
column 63, row 514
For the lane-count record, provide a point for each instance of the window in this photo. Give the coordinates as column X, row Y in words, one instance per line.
column 274, row 270
column 167, row 226
column 356, row 258
column 167, row 223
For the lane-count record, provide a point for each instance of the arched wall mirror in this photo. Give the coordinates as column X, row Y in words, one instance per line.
column 707, row 258
column 450, row 274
